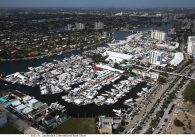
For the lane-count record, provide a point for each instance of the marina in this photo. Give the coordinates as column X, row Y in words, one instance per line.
column 72, row 109
column 108, row 91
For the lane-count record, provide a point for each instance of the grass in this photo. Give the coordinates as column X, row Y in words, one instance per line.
column 8, row 129
column 77, row 126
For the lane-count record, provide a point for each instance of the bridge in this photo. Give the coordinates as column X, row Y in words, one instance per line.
column 169, row 73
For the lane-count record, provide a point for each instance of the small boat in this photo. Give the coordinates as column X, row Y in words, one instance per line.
column 117, row 112
column 145, row 89
column 140, row 94
column 128, row 100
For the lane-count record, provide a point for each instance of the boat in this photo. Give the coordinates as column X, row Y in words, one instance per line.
column 140, row 94
column 145, row 89
column 134, row 83
column 109, row 101
column 117, row 112
column 128, row 100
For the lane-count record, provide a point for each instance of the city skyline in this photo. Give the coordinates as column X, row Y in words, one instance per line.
column 99, row 3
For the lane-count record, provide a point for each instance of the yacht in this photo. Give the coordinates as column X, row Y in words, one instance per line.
column 140, row 94
column 109, row 101
column 128, row 100
column 145, row 89
column 118, row 112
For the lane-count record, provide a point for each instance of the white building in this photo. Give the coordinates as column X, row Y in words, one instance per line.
column 152, row 75
column 156, row 58
column 98, row 26
column 109, row 68
column 191, row 46
column 3, row 118
column 117, row 57
column 79, row 26
column 158, row 35
column 69, row 27
column 178, row 58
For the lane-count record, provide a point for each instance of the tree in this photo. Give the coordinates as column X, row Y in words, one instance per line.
column 116, row 66
column 178, row 123
column 189, row 93
column 97, row 58
column 162, row 79
column 3, row 54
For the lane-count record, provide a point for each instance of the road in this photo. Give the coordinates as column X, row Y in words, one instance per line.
column 147, row 107
column 135, row 122
column 176, row 108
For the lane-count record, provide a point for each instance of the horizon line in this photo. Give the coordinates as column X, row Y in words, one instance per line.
column 100, row 7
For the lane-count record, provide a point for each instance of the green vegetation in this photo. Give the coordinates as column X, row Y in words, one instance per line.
column 189, row 62
column 117, row 66
column 77, row 126
column 189, row 93
column 97, row 58
column 178, row 123
column 8, row 129
column 3, row 54
column 162, row 79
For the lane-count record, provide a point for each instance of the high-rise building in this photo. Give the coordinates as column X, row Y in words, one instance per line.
column 158, row 35
column 191, row 46
column 69, row 27
column 98, row 26
column 79, row 26
column 3, row 118
column 156, row 58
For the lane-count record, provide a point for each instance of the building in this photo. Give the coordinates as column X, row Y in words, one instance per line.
column 109, row 68
column 117, row 57
column 25, row 106
column 191, row 46
column 99, row 26
column 3, row 118
column 156, row 58
column 178, row 58
column 79, row 26
column 158, row 35
column 152, row 75
column 105, row 125
column 69, row 27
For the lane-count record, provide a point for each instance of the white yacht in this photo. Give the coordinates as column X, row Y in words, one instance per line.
column 118, row 112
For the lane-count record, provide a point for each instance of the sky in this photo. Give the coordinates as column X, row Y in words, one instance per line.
column 98, row 3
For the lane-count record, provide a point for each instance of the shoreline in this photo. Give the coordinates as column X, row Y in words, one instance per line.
column 57, row 53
